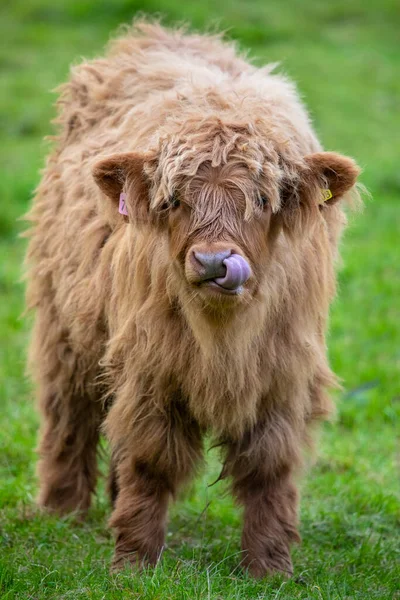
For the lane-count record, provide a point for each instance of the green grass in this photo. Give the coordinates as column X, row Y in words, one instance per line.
column 344, row 55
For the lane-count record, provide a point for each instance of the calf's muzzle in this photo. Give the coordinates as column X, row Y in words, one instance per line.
column 224, row 268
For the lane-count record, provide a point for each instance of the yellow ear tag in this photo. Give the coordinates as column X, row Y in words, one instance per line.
column 326, row 195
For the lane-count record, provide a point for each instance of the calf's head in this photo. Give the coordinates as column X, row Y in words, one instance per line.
column 222, row 218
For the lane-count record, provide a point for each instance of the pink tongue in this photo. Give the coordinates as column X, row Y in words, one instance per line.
column 237, row 272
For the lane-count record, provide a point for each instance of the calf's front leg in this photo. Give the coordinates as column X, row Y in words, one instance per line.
column 262, row 466
column 159, row 453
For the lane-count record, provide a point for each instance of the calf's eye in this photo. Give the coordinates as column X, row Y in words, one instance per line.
column 263, row 201
column 174, row 201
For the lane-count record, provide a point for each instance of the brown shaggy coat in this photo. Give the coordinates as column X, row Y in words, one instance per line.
column 214, row 155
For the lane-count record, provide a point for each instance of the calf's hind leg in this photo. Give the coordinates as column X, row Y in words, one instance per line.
column 70, row 416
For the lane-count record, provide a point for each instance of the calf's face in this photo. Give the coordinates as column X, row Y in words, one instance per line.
column 218, row 228
column 222, row 221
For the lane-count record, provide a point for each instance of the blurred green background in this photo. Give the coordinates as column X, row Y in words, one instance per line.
column 345, row 58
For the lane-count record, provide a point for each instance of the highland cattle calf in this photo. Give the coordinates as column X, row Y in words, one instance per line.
column 181, row 267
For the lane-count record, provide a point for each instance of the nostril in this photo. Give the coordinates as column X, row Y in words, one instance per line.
column 196, row 259
column 238, row 272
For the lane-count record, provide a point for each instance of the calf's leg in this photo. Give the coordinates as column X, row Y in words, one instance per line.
column 261, row 466
column 70, row 418
column 158, row 454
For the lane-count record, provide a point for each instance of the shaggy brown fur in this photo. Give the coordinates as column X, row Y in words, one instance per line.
column 212, row 153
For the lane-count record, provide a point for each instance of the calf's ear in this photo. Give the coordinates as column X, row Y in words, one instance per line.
column 333, row 173
column 124, row 173
column 321, row 180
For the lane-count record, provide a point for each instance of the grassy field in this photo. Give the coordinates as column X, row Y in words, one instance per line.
column 345, row 58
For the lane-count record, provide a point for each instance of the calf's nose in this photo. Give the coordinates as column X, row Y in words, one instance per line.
column 227, row 269
column 211, row 264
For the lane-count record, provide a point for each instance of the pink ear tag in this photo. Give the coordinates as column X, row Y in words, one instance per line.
column 122, row 206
